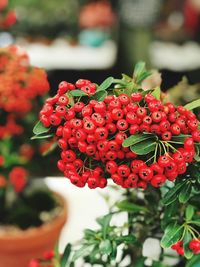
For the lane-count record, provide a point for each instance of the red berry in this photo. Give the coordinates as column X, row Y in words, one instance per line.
column 158, row 180
column 146, row 173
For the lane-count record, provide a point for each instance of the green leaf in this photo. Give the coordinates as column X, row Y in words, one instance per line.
column 105, row 247
column 126, row 78
column 193, row 104
column 184, row 194
column 100, row 95
column 130, row 239
column 144, row 147
column 89, row 233
column 131, row 207
column 41, row 136
column 194, row 262
column 65, row 255
column 105, row 84
column 137, row 138
column 77, row 93
column 113, row 255
column 40, row 129
column 172, row 235
column 83, row 251
column 195, row 222
column 187, row 238
column 156, row 93
column 172, row 194
column 189, row 212
column 143, row 76
column 140, row 67
column 180, row 138
column 105, row 223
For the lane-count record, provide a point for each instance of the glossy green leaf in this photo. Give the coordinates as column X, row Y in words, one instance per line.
column 137, row 138
column 144, row 147
column 185, row 193
column 172, row 235
column 89, row 233
column 126, row 78
column 179, row 138
column 140, row 67
column 143, row 76
column 156, row 93
column 40, row 129
column 105, row 84
column 193, row 104
column 77, row 93
column 41, row 136
column 187, row 238
column 65, row 255
column 189, row 213
column 194, row 262
column 113, row 255
column 105, row 247
column 173, row 192
column 100, row 95
column 130, row 239
column 131, row 207
column 82, row 252
column 104, row 222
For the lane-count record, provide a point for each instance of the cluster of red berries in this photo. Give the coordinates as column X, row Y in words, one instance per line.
column 18, row 178
column 90, row 135
column 46, row 260
column 194, row 246
column 7, row 17
column 19, row 82
column 10, row 127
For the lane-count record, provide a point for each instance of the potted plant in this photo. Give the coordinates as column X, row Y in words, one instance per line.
column 31, row 216
column 149, row 148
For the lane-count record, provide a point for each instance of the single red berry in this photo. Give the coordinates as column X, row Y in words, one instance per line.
column 120, row 137
column 175, row 129
column 164, row 161
column 101, row 133
column 146, row 173
column 196, row 135
column 141, row 112
column 63, row 100
column 78, row 106
column 158, row 180
column 156, row 116
column 123, row 170
column 194, row 245
column 122, row 125
column 54, row 119
column 166, row 136
column 136, row 97
column 124, row 99
column 189, row 143
column 148, row 98
column 117, row 114
column 111, row 167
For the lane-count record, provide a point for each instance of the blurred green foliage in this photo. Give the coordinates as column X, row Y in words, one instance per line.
column 48, row 18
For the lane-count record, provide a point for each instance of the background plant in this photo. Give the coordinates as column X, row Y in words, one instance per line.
column 21, row 89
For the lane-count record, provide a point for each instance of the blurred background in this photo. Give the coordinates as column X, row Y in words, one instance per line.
column 74, row 39
column 94, row 39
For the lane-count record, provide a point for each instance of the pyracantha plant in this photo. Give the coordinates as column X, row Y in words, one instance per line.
column 21, row 87
column 118, row 131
